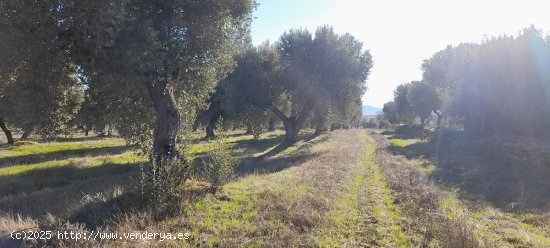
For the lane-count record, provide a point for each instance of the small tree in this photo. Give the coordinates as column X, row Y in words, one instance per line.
column 402, row 106
column 390, row 112
column 423, row 100
column 218, row 165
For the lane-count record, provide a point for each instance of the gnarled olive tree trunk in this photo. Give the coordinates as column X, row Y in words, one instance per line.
column 9, row 137
column 167, row 123
column 271, row 124
column 212, row 116
column 211, row 126
column 291, row 131
column 26, row 133
column 293, row 124
column 319, row 129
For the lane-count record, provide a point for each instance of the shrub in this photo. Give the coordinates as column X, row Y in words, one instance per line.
column 218, row 165
column 412, row 132
column 161, row 183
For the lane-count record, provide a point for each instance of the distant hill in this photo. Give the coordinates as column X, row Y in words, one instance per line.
column 370, row 110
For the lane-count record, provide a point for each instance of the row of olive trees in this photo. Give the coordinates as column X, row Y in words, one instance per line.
column 414, row 100
column 145, row 64
column 498, row 87
column 145, row 68
column 39, row 89
column 302, row 79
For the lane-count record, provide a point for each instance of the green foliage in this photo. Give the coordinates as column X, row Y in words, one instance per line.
column 500, row 86
column 423, row 99
column 412, row 100
column 187, row 62
column 39, row 87
column 147, row 65
column 370, row 122
column 402, row 106
column 217, row 167
column 390, row 112
column 301, row 77
column 161, row 183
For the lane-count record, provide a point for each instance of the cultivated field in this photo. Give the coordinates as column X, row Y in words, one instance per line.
column 348, row 188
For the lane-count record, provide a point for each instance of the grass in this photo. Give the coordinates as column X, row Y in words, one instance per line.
column 322, row 199
column 342, row 189
column 453, row 211
column 369, row 200
column 402, row 142
column 38, row 179
column 86, row 162
column 497, row 227
column 216, row 221
column 385, row 212
column 88, row 176
column 52, row 147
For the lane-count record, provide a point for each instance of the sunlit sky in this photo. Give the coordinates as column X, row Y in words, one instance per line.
column 400, row 34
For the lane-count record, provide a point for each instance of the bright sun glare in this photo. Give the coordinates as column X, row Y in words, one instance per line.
column 401, row 34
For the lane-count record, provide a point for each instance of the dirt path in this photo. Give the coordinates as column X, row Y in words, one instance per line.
column 334, row 196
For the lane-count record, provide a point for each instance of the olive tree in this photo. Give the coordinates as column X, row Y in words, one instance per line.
column 167, row 53
column 39, row 86
column 423, row 100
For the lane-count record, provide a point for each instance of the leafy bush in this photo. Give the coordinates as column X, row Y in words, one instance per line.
column 412, row 132
column 162, row 182
column 218, row 165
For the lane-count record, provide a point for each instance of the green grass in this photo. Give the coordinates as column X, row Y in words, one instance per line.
column 494, row 225
column 246, row 143
column 368, row 198
column 51, row 147
column 402, row 142
column 345, row 221
column 217, row 218
column 323, row 192
column 86, row 162
column 385, row 212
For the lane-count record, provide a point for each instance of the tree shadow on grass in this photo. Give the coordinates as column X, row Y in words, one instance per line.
column 263, row 165
column 483, row 172
column 271, row 163
column 93, row 196
column 51, row 178
column 268, row 162
column 71, row 139
column 414, row 151
column 60, row 155
column 104, row 213
column 244, row 147
column 63, row 191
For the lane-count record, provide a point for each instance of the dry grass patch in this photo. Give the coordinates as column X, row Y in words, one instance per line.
column 441, row 216
column 287, row 208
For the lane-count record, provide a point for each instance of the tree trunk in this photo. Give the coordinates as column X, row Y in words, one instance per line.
column 196, row 124
column 249, row 129
column 318, row 131
column 26, row 134
column 9, row 137
column 210, row 127
column 109, row 134
column 438, row 118
column 271, row 124
column 292, row 124
column 167, row 123
column 291, row 131
column 87, row 130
